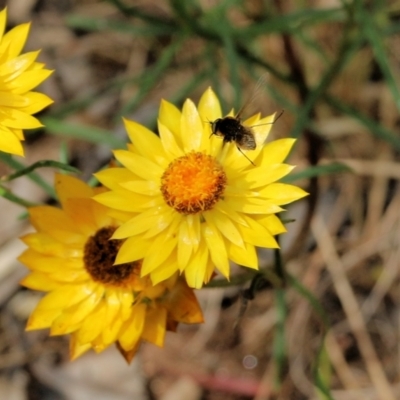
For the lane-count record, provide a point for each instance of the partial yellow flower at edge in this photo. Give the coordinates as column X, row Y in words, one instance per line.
column 195, row 202
column 19, row 74
column 71, row 257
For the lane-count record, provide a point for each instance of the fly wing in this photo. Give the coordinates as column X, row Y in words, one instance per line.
column 245, row 139
column 254, row 95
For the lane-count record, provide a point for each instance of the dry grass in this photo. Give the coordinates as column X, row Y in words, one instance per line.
column 343, row 246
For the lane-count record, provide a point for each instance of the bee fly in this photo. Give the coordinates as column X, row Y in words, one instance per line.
column 231, row 129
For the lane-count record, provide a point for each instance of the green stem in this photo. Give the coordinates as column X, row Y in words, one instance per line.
column 15, row 199
column 7, row 159
column 40, row 164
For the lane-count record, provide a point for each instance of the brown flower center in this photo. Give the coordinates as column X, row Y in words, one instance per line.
column 99, row 257
column 193, row 183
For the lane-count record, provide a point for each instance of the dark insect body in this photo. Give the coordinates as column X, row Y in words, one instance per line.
column 231, row 129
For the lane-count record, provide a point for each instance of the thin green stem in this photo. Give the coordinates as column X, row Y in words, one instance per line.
column 40, row 164
column 33, row 176
column 7, row 194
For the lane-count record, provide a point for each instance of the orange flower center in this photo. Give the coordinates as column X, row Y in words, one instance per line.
column 193, row 183
column 99, row 257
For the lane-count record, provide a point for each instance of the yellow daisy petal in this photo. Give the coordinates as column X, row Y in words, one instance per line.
column 257, row 235
column 107, row 176
column 112, row 321
column 40, row 319
column 196, row 270
column 35, row 102
column 9, row 142
column 28, row 80
column 17, row 119
column 272, row 223
column 169, row 142
column 261, row 177
column 282, row 193
column 160, row 248
column 44, row 263
column 217, row 248
column 186, row 247
column 141, row 222
column 139, row 165
column 12, row 100
column 66, row 296
column 132, row 330
column 15, row 39
column 276, row 152
column 69, row 187
column 126, row 301
column 131, row 250
column 15, row 66
column 226, row 227
column 162, row 274
column 70, row 320
column 170, row 116
column 92, row 325
column 40, row 281
column 209, row 107
column 191, row 127
column 80, row 211
column 141, row 138
column 261, row 129
column 253, row 206
column 132, row 202
column 55, row 223
column 76, row 349
column 245, row 256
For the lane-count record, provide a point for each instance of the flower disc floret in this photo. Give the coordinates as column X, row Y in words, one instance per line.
column 99, row 258
column 193, row 183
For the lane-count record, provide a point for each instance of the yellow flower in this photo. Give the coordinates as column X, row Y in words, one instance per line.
column 19, row 74
column 194, row 203
column 71, row 257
